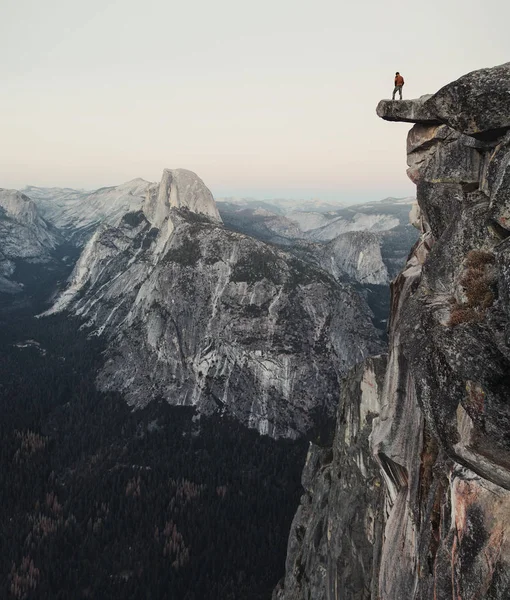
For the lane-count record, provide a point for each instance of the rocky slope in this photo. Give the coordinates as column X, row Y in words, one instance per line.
column 24, row 236
column 78, row 213
column 367, row 242
column 203, row 316
column 432, row 483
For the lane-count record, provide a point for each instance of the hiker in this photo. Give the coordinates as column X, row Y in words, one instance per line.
column 399, row 82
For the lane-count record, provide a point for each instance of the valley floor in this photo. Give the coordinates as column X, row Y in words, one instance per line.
column 101, row 502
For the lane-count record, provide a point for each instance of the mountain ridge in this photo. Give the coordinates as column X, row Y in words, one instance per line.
column 25, row 237
column 204, row 316
column 77, row 213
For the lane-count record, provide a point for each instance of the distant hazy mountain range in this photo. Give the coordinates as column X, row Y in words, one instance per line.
column 282, row 205
column 366, row 242
column 77, row 213
column 315, row 220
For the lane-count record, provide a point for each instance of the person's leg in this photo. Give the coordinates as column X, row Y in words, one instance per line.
column 400, row 91
column 394, row 92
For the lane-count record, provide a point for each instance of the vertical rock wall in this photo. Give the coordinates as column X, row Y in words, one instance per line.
column 338, row 525
column 441, row 440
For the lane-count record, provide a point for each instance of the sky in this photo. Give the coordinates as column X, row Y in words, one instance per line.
column 274, row 98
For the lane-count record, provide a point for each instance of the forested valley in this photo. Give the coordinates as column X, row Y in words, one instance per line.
column 98, row 501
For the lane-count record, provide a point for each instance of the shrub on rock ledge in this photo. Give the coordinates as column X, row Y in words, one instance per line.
column 477, row 282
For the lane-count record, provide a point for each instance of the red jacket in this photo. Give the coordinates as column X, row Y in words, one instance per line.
column 399, row 80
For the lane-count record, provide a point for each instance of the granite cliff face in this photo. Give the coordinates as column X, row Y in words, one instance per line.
column 339, row 520
column 24, row 236
column 358, row 254
column 434, row 476
column 203, row 316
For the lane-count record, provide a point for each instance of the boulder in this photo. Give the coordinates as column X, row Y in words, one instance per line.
column 475, row 104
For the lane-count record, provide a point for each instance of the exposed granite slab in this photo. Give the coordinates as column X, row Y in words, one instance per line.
column 407, row 111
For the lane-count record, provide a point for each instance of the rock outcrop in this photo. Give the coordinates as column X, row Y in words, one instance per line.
column 407, row 111
column 476, row 105
column 441, row 438
column 179, row 188
column 203, row 316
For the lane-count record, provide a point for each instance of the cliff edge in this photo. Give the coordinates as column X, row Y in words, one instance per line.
column 435, row 513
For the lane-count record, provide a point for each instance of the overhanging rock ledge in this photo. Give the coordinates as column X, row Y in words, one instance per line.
column 412, row 500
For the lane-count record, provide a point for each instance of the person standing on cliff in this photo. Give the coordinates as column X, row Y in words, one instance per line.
column 399, row 82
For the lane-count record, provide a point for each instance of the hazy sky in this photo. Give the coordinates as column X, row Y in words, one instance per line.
column 264, row 98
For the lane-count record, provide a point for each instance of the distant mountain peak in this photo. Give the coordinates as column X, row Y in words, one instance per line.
column 137, row 185
column 202, row 316
column 18, row 206
column 179, row 188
